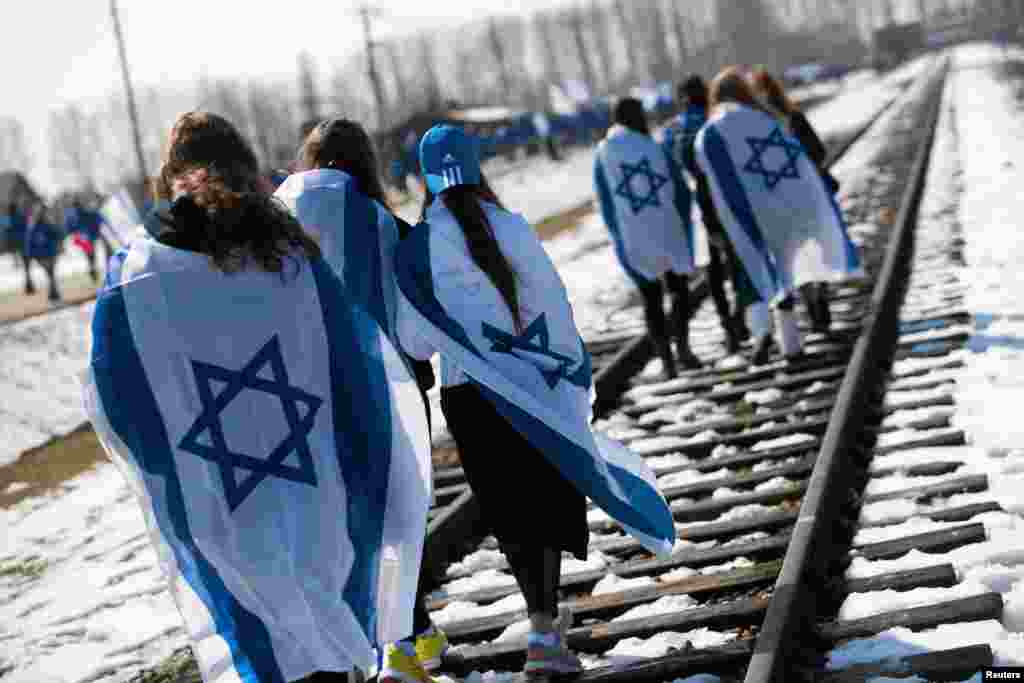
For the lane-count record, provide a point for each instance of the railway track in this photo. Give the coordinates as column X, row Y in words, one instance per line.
column 766, row 470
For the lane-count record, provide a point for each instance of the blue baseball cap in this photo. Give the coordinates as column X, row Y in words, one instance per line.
column 449, row 157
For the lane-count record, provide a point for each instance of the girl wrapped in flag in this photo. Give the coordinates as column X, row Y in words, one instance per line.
column 678, row 140
column 121, row 218
column 268, row 426
column 783, row 224
column 339, row 198
column 476, row 285
column 771, row 92
column 646, row 205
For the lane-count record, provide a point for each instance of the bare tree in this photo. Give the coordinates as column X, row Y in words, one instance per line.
column 427, row 62
column 748, row 28
column 628, row 32
column 546, row 34
column 575, row 19
column 74, row 145
column 498, row 52
column 13, row 149
column 650, row 25
column 399, row 82
column 468, row 74
column 309, row 94
column 227, row 98
column 679, row 29
column 349, row 91
column 602, row 44
column 273, row 125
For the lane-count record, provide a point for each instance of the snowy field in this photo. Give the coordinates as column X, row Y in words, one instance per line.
column 81, row 598
column 12, row 277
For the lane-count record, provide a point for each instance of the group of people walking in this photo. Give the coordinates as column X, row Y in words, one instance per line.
column 756, row 168
column 37, row 236
column 261, row 359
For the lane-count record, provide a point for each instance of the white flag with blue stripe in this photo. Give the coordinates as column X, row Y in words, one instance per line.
column 122, row 218
column 784, row 224
column 540, row 378
column 646, row 204
column 280, row 452
column 356, row 234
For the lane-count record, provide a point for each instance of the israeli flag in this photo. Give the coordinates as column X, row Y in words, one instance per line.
column 539, row 379
column 646, row 205
column 122, row 218
column 784, row 224
column 280, row 453
column 357, row 235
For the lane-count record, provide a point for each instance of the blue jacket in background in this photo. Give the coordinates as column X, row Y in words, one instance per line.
column 83, row 221
column 680, row 136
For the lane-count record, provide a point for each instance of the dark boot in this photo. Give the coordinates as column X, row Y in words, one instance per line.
column 664, row 350
column 824, row 314
column 680, row 290
column 763, row 350
column 739, row 326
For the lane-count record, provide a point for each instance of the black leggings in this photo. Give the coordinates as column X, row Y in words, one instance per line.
column 538, row 573
column 653, row 293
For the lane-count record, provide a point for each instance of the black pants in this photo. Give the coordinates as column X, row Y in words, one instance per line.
column 533, row 511
column 324, row 677
column 420, row 617
column 653, row 293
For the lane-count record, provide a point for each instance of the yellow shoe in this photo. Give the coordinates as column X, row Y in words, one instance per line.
column 402, row 667
column 430, row 647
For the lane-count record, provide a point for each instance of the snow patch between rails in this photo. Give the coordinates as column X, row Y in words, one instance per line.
column 633, row 650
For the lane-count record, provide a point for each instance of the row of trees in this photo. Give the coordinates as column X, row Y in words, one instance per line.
column 608, row 46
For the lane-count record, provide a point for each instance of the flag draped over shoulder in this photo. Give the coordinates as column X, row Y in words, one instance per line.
column 538, row 379
column 784, row 225
column 121, row 218
column 357, row 235
column 279, row 450
column 646, row 204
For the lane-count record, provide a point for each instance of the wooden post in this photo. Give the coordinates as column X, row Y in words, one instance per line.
column 128, row 92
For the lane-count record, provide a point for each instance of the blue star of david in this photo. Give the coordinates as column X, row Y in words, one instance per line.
column 655, row 181
column 503, row 342
column 756, row 162
column 209, row 422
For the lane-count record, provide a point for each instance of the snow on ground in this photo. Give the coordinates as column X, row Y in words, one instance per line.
column 12, row 278
column 989, row 125
column 848, row 111
column 38, row 378
column 80, row 595
column 80, row 589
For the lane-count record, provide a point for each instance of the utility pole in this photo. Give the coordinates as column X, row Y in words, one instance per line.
column 129, row 93
column 364, row 12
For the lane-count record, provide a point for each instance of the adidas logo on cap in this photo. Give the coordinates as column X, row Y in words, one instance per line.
column 448, row 159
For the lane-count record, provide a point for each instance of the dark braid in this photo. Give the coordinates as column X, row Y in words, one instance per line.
column 464, row 203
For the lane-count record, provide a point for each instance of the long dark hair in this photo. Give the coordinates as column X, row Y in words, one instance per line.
column 233, row 220
column 694, row 90
column 629, row 112
column 345, row 145
column 464, row 203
